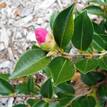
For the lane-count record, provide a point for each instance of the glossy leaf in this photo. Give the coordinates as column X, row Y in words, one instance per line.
column 47, row 89
column 100, row 41
column 63, row 27
column 4, row 76
column 101, row 2
column 95, row 46
column 83, row 31
column 100, row 38
column 65, row 93
column 84, row 101
column 31, row 84
column 96, row 10
column 99, row 28
column 29, row 63
column 22, row 88
column 86, row 65
column 5, row 87
column 102, row 91
column 52, row 19
column 20, row 105
column 40, row 104
column 102, row 94
column 47, row 71
column 27, row 87
column 65, row 89
column 64, row 100
column 92, row 78
column 62, row 70
column 35, row 47
column 31, row 102
column 103, row 62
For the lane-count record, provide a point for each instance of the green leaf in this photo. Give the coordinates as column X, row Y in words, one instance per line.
column 98, row 38
column 96, row 47
column 102, row 90
column 20, row 105
column 86, row 65
column 31, row 102
column 103, row 62
column 99, row 2
column 65, row 89
column 5, row 87
column 99, row 28
column 22, row 88
column 102, row 94
column 27, row 87
column 4, row 76
column 68, row 47
column 83, row 31
column 92, row 78
column 47, row 71
column 29, row 63
column 62, row 70
column 40, row 104
column 34, row 46
column 63, row 27
column 65, row 93
column 84, row 101
column 47, row 89
column 31, row 84
column 64, row 100
column 52, row 19
column 96, row 10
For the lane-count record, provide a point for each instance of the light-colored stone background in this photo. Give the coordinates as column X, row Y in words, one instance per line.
column 18, row 18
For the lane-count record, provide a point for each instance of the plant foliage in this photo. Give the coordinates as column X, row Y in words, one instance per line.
column 76, row 79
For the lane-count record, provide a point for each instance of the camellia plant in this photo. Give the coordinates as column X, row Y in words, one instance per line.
column 71, row 59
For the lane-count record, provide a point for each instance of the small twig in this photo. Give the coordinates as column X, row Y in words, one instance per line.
column 67, row 55
column 101, row 54
column 21, row 96
column 30, row 96
column 59, row 52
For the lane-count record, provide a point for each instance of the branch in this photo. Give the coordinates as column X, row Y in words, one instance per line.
column 86, row 54
column 21, row 96
column 32, row 97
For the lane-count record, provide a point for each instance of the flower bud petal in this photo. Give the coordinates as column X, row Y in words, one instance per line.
column 40, row 34
column 45, row 39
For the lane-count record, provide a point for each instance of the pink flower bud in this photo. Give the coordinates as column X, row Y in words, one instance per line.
column 40, row 34
column 45, row 39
